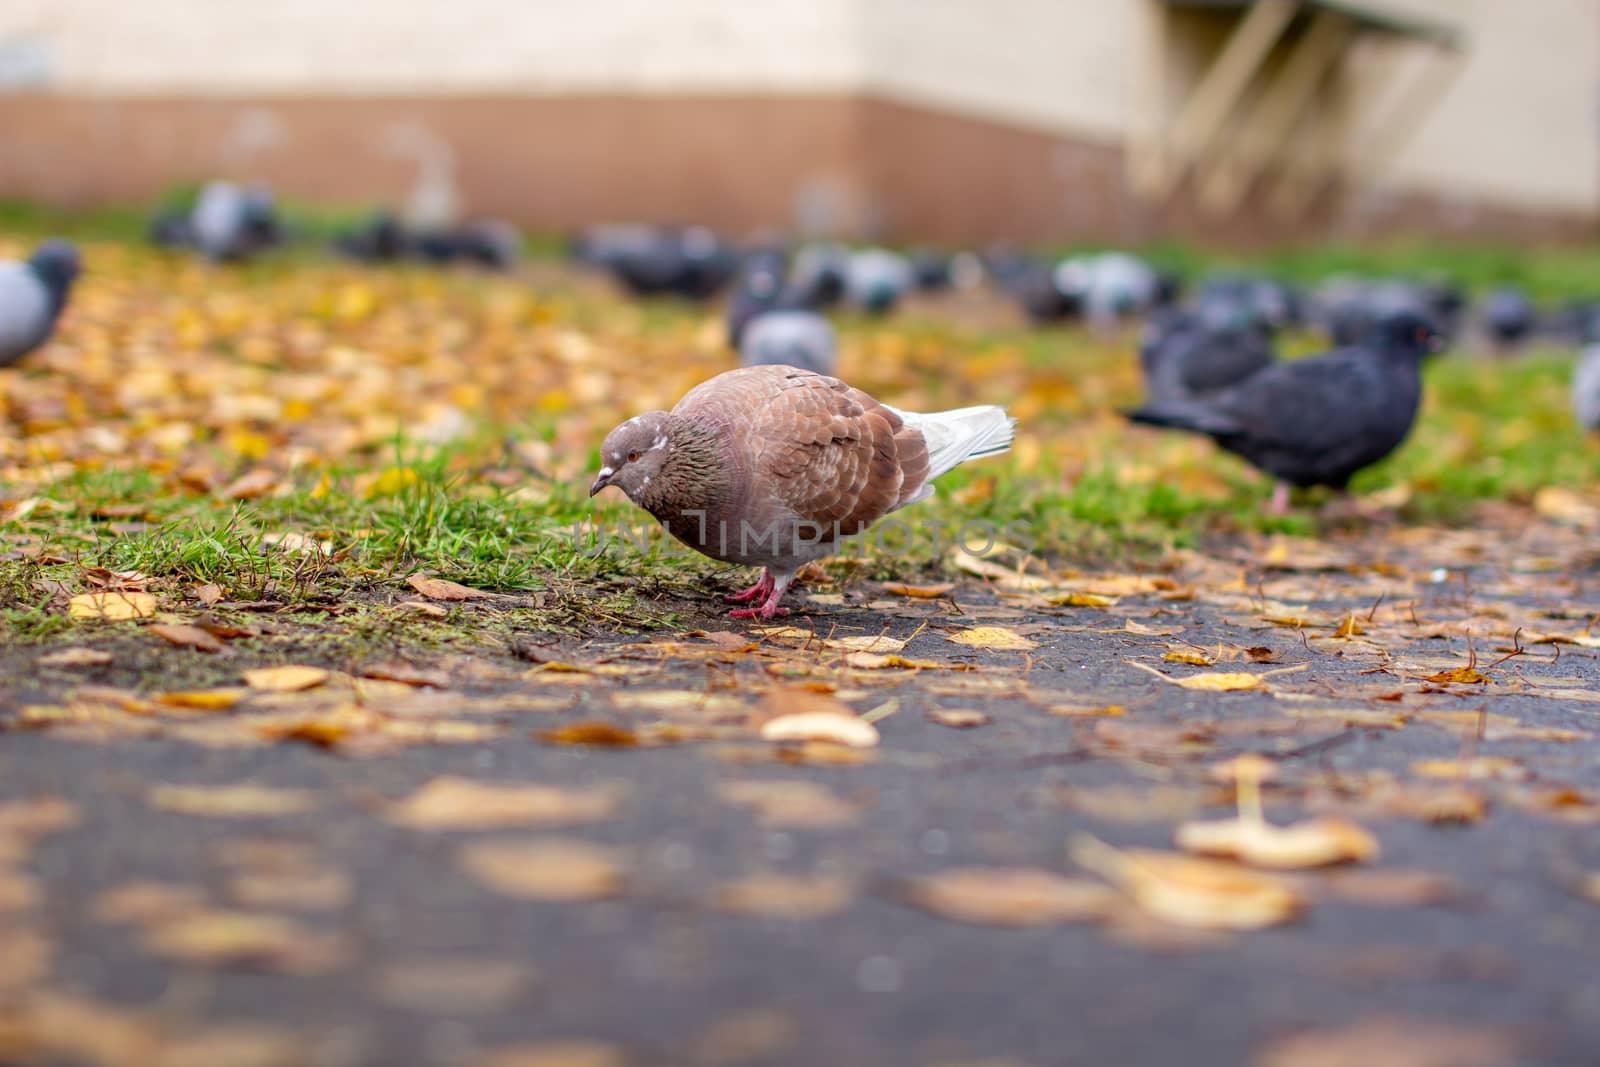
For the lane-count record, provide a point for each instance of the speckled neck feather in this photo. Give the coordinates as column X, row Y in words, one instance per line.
column 696, row 477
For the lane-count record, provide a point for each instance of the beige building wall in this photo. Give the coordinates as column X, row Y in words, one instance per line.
column 299, row 47
column 1051, row 90
column 1520, row 124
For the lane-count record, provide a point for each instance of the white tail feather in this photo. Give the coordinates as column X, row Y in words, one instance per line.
column 956, row 436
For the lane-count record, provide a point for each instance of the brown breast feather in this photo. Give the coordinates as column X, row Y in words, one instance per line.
column 830, row 454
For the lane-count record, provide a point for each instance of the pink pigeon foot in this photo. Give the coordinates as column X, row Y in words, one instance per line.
column 761, row 589
column 765, row 611
column 776, row 585
column 1280, row 499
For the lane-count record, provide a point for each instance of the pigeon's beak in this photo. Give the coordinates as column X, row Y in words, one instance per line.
column 602, row 480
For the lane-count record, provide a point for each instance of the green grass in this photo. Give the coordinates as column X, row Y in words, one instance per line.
column 1095, row 491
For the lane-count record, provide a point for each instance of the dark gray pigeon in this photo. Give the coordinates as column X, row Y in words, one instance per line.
column 794, row 338
column 1316, row 421
column 1191, row 352
column 32, row 296
column 772, row 467
column 1508, row 316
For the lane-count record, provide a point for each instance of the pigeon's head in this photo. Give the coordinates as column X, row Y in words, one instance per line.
column 1408, row 334
column 633, row 454
column 56, row 264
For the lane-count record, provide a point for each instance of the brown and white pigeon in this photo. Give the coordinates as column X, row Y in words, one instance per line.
column 772, row 466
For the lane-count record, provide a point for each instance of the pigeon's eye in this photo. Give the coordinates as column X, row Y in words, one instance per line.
column 633, row 457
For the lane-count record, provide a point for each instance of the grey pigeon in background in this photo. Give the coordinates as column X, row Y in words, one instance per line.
column 772, row 466
column 32, row 296
column 875, row 279
column 795, row 338
column 819, row 272
column 1316, row 421
column 1109, row 286
column 1508, row 316
column 1191, row 352
column 1586, row 388
column 230, row 222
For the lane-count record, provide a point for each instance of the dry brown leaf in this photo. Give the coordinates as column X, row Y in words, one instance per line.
column 112, row 606
column 1565, row 506
column 18, row 892
column 422, row 607
column 258, row 482
column 202, row 699
column 960, row 718
column 781, row 896
column 1313, row 843
column 872, row 661
column 1192, row 658
column 450, row 985
column 546, row 869
column 243, row 939
column 1394, row 1042
column 242, row 800
column 208, row 594
column 406, row 674
column 1081, row 600
column 232, row 1045
column 1190, row 891
column 442, row 589
column 571, row 1053
column 75, row 657
column 599, row 734
column 187, row 637
column 790, row 803
column 463, row 804
column 286, row 679
column 1460, row 676
column 301, row 889
column 1088, row 711
column 1010, row 896
column 796, row 714
column 849, row 730
column 920, row 592
column 145, row 902
column 1477, row 768
column 992, row 638
column 761, row 1035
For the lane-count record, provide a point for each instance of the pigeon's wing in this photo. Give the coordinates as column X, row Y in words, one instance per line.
column 829, row 454
column 1220, row 358
column 1308, row 405
column 25, row 313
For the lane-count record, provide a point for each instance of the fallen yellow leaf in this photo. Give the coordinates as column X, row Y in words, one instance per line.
column 287, row 679
column 994, row 638
column 230, row 801
column 1190, row 891
column 1315, row 843
column 462, row 804
column 1010, row 896
column 113, row 606
column 203, row 699
column 783, row 896
column 545, row 869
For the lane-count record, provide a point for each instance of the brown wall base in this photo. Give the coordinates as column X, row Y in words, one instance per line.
column 852, row 166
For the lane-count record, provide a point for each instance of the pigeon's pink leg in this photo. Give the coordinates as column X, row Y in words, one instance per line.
column 1280, row 499
column 769, row 607
column 755, row 592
